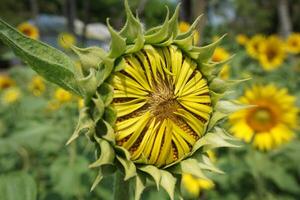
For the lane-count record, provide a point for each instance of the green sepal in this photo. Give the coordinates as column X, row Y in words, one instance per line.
column 215, row 97
column 206, row 164
column 189, row 166
column 47, row 61
column 84, row 125
column 153, row 171
column 192, row 28
column 110, row 115
column 168, row 182
column 173, row 23
column 138, row 44
column 106, row 92
column 120, row 64
column 106, row 156
column 215, row 118
column 89, row 57
column 219, row 65
column 132, row 26
column 140, row 184
column 122, row 152
column 118, row 43
column 105, row 130
column 229, row 107
column 128, row 166
column 207, row 69
column 97, row 180
column 215, row 139
column 219, row 85
column 185, row 40
column 98, row 110
column 203, row 54
column 160, row 34
column 89, row 83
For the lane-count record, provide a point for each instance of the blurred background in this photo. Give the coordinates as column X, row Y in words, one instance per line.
column 37, row 118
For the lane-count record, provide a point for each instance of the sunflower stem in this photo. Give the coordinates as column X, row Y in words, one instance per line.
column 121, row 187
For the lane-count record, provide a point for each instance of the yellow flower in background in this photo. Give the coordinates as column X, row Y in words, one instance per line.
column 252, row 46
column 184, row 27
column 80, row 103
column 6, row 82
column 62, row 95
column 37, row 86
column 66, row 40
column 194, row 185
column 242, row 39
column 293, row 43
column 270, row 122
column 29, row 30
column 220, row 55
column 271, row 53
column 11, row 95
column 53, row 105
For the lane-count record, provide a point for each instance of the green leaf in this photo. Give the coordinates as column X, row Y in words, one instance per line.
column 49, row 62
column 17, row 186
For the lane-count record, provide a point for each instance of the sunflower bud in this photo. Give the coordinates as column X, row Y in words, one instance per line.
column 151, row 104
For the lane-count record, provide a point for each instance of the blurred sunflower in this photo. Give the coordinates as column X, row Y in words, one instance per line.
column 271, row 53
column 252, row 46
column 184, row 27
column 37, row 86
column 11, row 95
column 29, row 30
column 194, row 185
column 220, row 55
column 270, row 122
column 6, row 82
column 293, row 43
column 62, row 96
column 80, row 103
column 241, row 39
column 66, row 40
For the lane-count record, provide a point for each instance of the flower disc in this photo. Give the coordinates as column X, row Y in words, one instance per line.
column 162, row 103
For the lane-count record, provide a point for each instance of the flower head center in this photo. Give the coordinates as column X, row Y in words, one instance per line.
column 261, row 119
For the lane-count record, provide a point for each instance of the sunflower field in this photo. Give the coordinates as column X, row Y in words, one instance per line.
column 150, row 99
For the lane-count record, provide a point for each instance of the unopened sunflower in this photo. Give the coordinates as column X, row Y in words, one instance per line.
column 293, row 43
column 29, row 30
column 271, row 120
column 271, row 53
column 253, row 45
column 151, row 104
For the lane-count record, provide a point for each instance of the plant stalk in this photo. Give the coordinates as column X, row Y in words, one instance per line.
column 121, row 187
